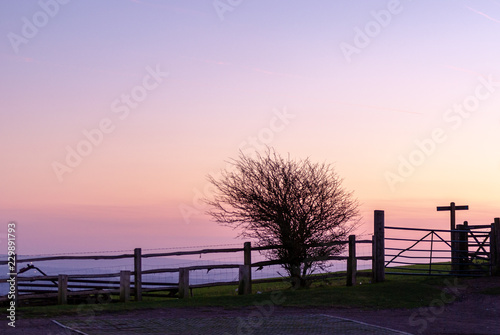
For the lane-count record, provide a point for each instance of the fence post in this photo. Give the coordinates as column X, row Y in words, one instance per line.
column 374, row 257
column 455, row 254
column 245, row 285
column 247, row 274
column 378, row 271
column 124, row 286
column 62, row 289
column 138, row 274
column 247, row 256
column 352, row 265
column 463, row 248
column 184, row 283
column 495, row 247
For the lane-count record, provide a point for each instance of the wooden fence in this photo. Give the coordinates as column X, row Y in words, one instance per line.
column 483, row 259
column 122, row 284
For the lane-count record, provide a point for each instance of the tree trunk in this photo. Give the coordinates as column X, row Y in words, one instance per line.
column 298, row 280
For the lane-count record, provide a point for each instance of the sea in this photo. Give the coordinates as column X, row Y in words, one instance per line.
column 85, row 267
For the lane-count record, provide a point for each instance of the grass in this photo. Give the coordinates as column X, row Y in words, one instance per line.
column 396, row 292
column 422, row 268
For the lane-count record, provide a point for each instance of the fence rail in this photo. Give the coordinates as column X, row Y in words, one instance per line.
column 461, row 261
column 64, row 286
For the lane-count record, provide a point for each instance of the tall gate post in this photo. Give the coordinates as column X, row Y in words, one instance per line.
column 462, row 246
column 454, row 236
column 138, row 274
column 378, row 249
column 495, row 247
column 455, row 251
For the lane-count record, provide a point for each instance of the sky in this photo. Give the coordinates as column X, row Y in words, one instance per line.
column 113, row 113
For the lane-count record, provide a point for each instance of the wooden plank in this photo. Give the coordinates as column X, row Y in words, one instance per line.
column 51, row 278
column 177, row 253
column 447, row 208
column 55, row 258
column 195, row 252
column 55, row 294
column 69, row 286
column 312, row 245
column 92, row 281
column 96, row 275
column 197, row 267
column 420, row 229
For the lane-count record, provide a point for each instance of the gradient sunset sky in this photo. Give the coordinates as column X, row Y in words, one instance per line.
column 112, row 113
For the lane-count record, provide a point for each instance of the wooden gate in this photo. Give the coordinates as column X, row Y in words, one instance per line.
column 474, row 249
column 467, row 252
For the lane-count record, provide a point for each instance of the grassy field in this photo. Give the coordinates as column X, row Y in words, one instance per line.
column 396, row 292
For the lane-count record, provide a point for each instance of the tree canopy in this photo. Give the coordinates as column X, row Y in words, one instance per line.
column 286, row 202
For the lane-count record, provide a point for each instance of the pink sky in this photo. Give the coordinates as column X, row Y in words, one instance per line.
column 169, row 93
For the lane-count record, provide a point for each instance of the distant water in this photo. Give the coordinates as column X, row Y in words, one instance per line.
column 70, row 267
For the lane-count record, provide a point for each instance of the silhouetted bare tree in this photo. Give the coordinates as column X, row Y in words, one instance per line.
column 285, row 202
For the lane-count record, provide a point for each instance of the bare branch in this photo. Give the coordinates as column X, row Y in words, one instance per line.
column 285, row 202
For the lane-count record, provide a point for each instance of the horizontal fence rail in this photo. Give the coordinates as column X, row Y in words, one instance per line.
column 470, row 250
column 130, row 283
column 454, row 254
